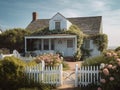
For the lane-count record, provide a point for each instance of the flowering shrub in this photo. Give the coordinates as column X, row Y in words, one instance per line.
column 110, row 73
column 49, row 59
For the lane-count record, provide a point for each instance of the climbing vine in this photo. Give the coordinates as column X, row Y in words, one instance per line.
column 100, row 39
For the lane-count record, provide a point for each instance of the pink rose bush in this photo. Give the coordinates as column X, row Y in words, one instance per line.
column 111, row 78
column 106, row 71
column 49, row 59
column 103, row 81
column 99, row 88
column 110, row 73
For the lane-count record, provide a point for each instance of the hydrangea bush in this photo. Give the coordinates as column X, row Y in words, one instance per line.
column 110, row 73
column 49, row 59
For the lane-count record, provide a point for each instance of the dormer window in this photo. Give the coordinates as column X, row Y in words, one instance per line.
column 59, row 22
column 57, row 25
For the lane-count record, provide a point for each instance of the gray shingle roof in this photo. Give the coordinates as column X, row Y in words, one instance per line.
column 89, row 25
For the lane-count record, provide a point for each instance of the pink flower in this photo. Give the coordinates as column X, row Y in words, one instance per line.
column 118, row 60
column 103, row 81
column 111, row 78
column 115, row 57
column 102, row 65
column 99, row 88
column 119, row 63
column 114, row 67
column 109, row 54
column 105, row 71
column 114, row 54
column 109, row 66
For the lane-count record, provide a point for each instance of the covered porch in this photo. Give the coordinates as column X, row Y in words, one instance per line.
column 63, row 43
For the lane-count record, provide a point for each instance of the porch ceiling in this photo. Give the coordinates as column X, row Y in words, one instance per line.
column 51, row 36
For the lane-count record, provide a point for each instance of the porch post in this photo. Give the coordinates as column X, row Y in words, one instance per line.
column 76, row 75
column 25, row 45
column 42, row 44
column 76, row 43
column 49, row 44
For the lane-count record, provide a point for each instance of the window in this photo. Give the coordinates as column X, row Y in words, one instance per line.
column 87, row 44
column 70, row 43
column 59, row 41
column 57, row 25
column 52, row 44
column 46, row 44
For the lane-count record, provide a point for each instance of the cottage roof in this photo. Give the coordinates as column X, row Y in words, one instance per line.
column 89, row 25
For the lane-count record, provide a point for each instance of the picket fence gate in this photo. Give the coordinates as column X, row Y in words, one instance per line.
column 86, row 75
column 48, row 75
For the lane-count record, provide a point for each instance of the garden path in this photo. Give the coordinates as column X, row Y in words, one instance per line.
column 71, row 71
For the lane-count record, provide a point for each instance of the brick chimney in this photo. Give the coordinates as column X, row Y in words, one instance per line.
column 34, row 16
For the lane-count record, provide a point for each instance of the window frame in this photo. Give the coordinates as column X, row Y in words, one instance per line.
column 70, row 43
column 87, row 44
column 57, row 25
column 46, row 44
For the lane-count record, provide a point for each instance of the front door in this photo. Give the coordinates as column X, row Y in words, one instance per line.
column 60, row 46
column 70, row 47
column 65, row 46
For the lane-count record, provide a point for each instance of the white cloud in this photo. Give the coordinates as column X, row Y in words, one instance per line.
column 77, row 8
column 111, row 18
column 111, row 25
column 70, row 13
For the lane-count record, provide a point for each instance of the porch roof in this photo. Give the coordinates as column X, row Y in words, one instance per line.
column 51, row 36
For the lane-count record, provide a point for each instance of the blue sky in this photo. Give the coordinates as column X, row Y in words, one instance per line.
column 18, row 13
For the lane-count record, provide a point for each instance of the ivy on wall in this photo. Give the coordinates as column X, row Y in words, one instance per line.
column 100, row 40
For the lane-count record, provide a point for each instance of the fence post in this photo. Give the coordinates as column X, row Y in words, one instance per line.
column 60, row 77
column 1, row 56
column 76, row 75
column 43, row 66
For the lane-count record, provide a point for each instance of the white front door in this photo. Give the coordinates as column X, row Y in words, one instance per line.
column 60, row 46
column 65, row 46
column 70, row 47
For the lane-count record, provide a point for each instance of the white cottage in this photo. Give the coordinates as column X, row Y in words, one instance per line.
column 63, row 43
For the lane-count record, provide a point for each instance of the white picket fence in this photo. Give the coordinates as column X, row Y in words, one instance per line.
column 49, row 75
column 86, row 75
column 17, row 55
column 5, row 55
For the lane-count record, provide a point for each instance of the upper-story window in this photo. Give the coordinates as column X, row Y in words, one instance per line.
column 57, row 25
column 87, row 44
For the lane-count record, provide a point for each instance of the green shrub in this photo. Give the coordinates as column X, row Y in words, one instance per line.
column 11, row 73
column 65, row 66
column 77, row 56
column 13, row 77
column 110, row 72
column 95, row 61
column 117, row 49
column 107, row 58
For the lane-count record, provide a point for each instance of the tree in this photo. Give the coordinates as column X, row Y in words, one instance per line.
column 13, row 39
